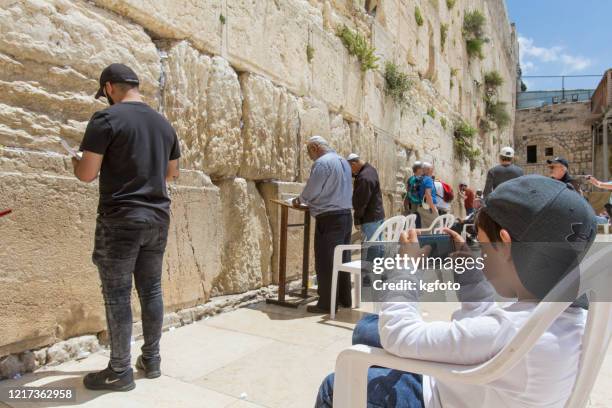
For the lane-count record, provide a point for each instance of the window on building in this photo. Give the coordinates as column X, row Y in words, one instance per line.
column 532, row 154
column 548, row 151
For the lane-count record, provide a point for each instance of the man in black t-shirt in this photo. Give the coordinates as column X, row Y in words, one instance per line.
column 135, row 151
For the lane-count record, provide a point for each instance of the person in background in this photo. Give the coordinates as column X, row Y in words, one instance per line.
column 135, row 151
column 559, row 170
column 478, row 200
column 600, row 184
column 468, row 201
column 328, row 194
column 427, row 210
column 504, row 171
column 412, row 199
column 369, row 213
column 442, row 205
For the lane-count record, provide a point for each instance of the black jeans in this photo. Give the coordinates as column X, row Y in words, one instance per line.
column 333, row 228
column 122, row 249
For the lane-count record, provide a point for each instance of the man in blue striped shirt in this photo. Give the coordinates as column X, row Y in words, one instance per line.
column 328, row 193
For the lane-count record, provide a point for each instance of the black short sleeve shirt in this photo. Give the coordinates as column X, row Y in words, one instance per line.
column 137, row 143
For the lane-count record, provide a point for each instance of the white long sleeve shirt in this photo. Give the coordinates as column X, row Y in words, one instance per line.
column 543, row 378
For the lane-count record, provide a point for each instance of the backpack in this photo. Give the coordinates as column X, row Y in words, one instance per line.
column 449, row 195
column 412, row 189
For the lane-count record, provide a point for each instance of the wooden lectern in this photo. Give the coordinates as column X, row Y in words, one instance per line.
column 303, row 295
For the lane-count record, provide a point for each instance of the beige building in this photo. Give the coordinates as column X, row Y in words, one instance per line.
column 577, row 131
column 554, row 130
column 601, row 125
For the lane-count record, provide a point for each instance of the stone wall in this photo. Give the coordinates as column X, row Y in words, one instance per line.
column 560, row 127
column 234, row 79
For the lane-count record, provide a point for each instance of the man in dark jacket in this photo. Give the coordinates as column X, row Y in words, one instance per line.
column 504, row 171
column 559, row 170
column 367, row 198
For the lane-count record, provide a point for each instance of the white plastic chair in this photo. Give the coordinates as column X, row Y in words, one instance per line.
column 441, row 221
column 350, row 386
column 410, row 222
column 389, row 231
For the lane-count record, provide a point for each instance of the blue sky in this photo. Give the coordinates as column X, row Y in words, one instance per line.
column 563, row 37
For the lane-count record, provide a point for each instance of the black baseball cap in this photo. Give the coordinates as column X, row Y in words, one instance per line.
column 551, row 227
column 559, row 160
column 116, row 73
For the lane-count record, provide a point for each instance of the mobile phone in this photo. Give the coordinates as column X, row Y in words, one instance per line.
column 441, row 244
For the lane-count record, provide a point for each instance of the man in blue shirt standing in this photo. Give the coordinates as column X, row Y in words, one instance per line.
column 427, row 194
column 328, row 193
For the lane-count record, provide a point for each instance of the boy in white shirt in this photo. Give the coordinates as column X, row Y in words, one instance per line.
column 529, row 209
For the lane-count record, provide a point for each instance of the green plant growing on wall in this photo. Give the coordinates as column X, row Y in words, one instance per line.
column 397, row 83
column 493, row 80
column 484, row 125
column 495, row 110
column 450, row 4
column 473, row 32
column 474, row 47
column 431, row 112
column 443, row 122
column 498, row 113
column 309, row 53
column 357, row 45
column 418, row 17
column 463, row 143
column 473, row 24
column 222, row 18
column 443, row 34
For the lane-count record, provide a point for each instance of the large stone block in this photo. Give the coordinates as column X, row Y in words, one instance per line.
column 194, row 250
column 269, row 37
column 50, row 289
column 247, row 240
column 202, row 99
column 380, row 110
column 51, row 56
column 314, row 120
column 270, row 131
column 45, row 256
column 196, row 21
column 340, row 135
column 295, row 235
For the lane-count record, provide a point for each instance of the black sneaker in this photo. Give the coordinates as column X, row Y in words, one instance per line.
column 108, row 379
column 151, row 368
column 316, row 309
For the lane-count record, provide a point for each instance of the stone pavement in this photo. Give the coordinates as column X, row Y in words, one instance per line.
column 259, row 356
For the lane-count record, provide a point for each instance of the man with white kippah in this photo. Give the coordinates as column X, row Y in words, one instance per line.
column 328, row 193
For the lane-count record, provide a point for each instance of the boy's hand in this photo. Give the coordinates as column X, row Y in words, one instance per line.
column 461, row 249
column 409, row 244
